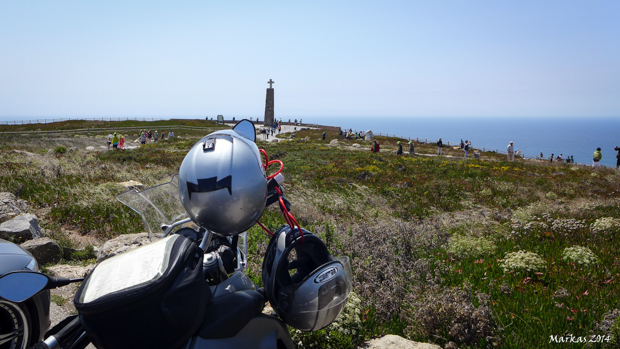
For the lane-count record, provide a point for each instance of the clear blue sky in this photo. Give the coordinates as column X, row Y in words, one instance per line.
column 327, row 58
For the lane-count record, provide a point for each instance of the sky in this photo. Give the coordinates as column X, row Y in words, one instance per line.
column 328, row 58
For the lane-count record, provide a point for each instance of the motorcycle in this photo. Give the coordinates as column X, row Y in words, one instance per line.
column 188, row 288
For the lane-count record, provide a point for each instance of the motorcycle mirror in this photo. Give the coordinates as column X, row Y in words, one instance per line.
column 246, row 129
column 19, row 286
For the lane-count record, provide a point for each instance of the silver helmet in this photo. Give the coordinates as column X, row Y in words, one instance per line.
column 222, row 181
column 305, row 285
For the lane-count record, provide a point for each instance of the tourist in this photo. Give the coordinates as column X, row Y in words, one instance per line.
column 142, row 138
column 323, row 135
column 156, row 136
column 551, row 158
column 559, row 158
column 170, row 134
column 466, row 147
column 511, row 152
column 540, row 157
column 411, row 147
column 572, row 160
column 439, row 147
column 109, row 140
column 462, row 144
column 400, row 148
column 596, row 158
column 115, row 141
column 150, row 136
column 121, row 142
column 163, row 135
column 375, row 146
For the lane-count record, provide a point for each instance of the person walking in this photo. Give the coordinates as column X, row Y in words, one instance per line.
column 551, row 158
column 109, row 140
column 323, row 135
column 411, row 148
column 511, row 152
column 596, row 158
column 156, row 136
column 121, row 142
column 439, row 147
column 400, row 148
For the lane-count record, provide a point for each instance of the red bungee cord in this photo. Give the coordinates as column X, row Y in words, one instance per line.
column 288, row 217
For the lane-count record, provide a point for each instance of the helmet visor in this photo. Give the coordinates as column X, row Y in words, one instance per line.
column 319, row 299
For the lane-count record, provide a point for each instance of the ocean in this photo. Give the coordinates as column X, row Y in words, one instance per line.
column 576, row 136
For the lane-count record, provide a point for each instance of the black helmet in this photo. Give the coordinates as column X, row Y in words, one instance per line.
column 305, row 285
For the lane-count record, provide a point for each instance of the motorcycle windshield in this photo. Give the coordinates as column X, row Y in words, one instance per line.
column 159, row 205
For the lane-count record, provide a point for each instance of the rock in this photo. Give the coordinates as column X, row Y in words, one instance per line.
column 333, row 142
column 50, row 151
column 103, row 147
column 292, row 135
column 23, row 152
column 122, row 244
column 133, row 185
column 10, row 206
column 369, row 136
column 72, row 149
column 21, row 228
column 45, row 250
column 69, row 271
column 90, row 148
column 356, row 145
column 395, row 342
column 306, row 138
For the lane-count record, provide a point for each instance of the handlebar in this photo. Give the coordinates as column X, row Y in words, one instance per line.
column 64, row 337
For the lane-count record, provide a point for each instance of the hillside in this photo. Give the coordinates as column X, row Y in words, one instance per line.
column 461, row 253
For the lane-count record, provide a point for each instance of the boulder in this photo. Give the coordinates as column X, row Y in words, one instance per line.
column 369, row 136
column 21, row 228
column 122, row 244
column 45, row 250
column 292, row 135
column 306, row 139
column 90, row 148
column 69, row 271
column 10, row 206
column 395, row 342
column 333, row 142
column 356, row 145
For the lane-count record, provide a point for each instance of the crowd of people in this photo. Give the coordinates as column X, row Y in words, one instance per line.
column 117, row 140
column 350, row 134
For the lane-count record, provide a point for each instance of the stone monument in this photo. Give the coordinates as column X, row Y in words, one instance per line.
column 269, row 105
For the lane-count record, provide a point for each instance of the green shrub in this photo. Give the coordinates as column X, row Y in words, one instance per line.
column 462, row 246
column 87, row 253
column 580, row 255
column 551, row 196
column 605, row 224
column 60, row 150
column 523, row 261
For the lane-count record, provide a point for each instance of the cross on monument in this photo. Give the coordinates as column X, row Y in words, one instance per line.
column 270, row 82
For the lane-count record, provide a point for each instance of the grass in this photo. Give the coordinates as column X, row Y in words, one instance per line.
column 429, row 237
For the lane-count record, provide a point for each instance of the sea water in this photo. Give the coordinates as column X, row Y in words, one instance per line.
column 576, row 136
